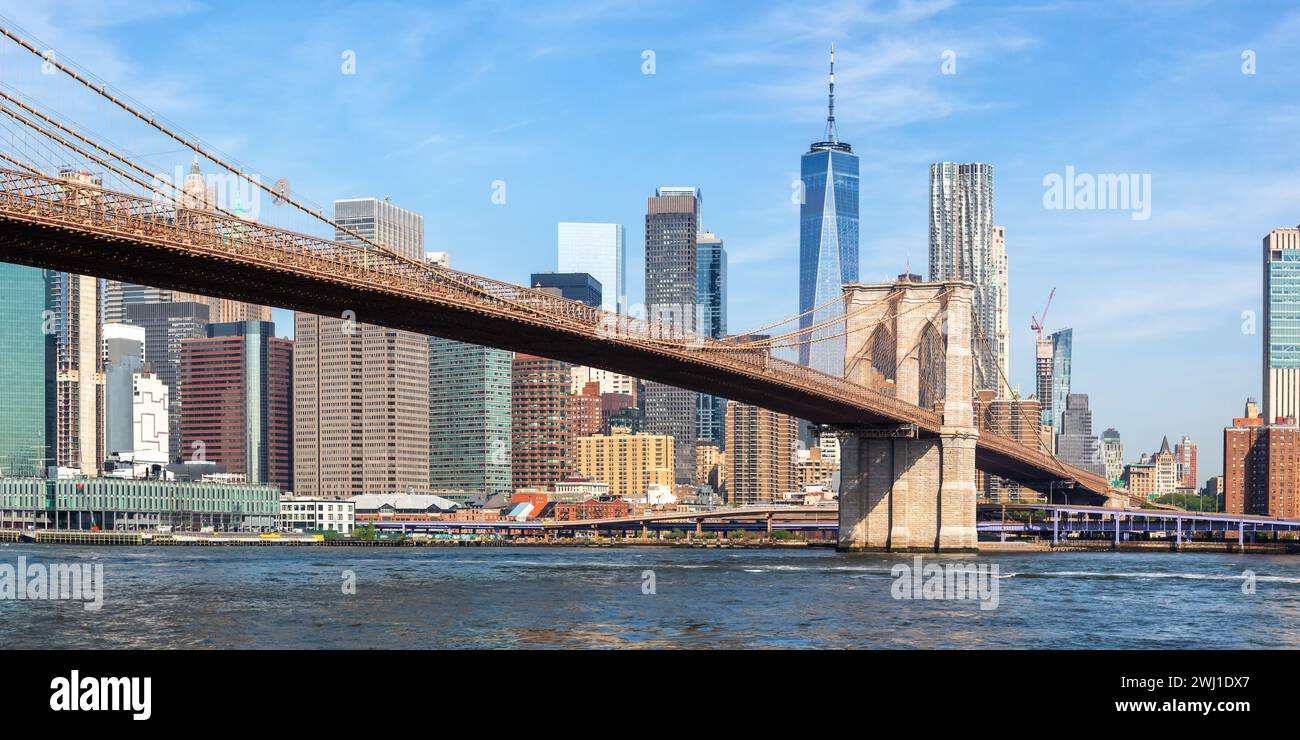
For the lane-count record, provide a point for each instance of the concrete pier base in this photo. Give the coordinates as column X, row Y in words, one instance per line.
column 907, row 495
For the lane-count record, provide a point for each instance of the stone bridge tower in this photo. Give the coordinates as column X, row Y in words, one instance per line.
column 899, row 491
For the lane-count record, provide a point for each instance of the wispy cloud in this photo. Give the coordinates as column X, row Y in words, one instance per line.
column 888, row 60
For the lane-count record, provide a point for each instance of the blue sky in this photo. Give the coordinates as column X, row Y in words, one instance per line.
column 550, row 98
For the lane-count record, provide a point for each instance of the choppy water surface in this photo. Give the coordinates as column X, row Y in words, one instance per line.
column 282, row 597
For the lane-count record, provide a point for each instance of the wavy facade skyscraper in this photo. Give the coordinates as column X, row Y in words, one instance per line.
column 828, row 241
column 966, row 245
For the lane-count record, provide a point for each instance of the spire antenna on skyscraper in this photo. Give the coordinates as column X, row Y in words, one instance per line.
column 830, row 102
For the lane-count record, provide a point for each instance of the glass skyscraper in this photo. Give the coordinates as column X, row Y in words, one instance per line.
column 598, row 250
column 711, row 300
column 672, row 226
column 1062, row 352
column 1282, row 324
column 828, row 241
column 469, row 417
column 26, row 366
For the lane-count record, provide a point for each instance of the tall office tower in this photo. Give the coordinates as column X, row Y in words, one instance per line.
column 1053, row 368
column 1062, row 360
column 135, row 399
column 361, row 392
column 962, row 247
column 828, row 240
column 598, row 250
column 27, row 366
column 711, row 284
column 672, row 223
column 1002, row 318
column 1043, row 378
column 237, row 385
column 1185, row 459
column 1112, row 454
column 469, row 417
column 1282, row 325
column 711, row 297
column 1075, row 444
column 541, row 432
column 166, row 325
column 761, row 454
column 382, row 223
column 576, row 286
column 79, row 385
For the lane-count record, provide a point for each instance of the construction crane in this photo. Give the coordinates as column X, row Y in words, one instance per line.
column 1036, row 323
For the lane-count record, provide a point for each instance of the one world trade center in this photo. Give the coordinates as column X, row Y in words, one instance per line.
column 828, row 243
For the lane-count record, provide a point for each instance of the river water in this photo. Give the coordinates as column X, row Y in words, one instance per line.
column 292, row 597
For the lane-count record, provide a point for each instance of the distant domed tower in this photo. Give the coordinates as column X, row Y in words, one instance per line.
column 197, row 193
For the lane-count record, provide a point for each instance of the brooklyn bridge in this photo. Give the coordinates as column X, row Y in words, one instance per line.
column 912, row 432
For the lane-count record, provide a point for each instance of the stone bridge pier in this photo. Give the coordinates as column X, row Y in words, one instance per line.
column 898, row 491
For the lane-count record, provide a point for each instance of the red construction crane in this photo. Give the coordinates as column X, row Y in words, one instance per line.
column 1036, row 323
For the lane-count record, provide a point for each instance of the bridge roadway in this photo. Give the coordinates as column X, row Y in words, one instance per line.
column 59, row 225
column 1065, row 519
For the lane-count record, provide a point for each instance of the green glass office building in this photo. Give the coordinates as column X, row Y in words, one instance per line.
column 469, row 418
column 27, row 370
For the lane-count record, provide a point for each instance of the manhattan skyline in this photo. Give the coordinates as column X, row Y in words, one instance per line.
column 730, row 109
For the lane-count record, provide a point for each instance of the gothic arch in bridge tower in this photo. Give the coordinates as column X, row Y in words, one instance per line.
column 882, row 353
column 931, row 355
